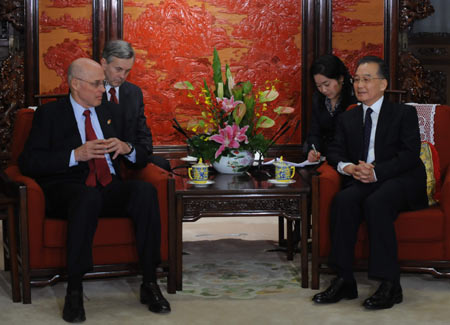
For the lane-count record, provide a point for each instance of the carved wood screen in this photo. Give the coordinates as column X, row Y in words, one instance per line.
column 423, row 85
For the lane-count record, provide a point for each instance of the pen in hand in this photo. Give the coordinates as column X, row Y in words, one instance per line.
column 314, row 155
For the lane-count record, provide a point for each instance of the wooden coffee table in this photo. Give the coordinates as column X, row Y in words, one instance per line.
column 240, row 196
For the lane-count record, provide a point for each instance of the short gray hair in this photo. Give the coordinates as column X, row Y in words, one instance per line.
column 118, row 49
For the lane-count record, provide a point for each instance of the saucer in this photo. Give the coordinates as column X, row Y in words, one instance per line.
column 189, row 159
column 281, row 183
column 208, row 182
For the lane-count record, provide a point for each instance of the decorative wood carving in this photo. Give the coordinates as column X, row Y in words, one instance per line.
column 412, row 10
column 431, row 51
column 422, row 86
column 13, row 11
column 195, row 208
column 419, row 83
column 12, row 96
column 12, row 76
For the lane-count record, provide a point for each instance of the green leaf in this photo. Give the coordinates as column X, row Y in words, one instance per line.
column 247, row 87
column 183, row 85
column 239, row 112
column 265, row 122
column 237, row 92
column 217, row 69
column 268, row 96
column 284, row 110
column 208, row 93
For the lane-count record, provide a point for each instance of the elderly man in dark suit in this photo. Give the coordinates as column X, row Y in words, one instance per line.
column 117, row 60
column 376, row 148
column 74, row 152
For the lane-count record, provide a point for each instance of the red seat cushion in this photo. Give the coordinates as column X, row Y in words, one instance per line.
column 110, row 232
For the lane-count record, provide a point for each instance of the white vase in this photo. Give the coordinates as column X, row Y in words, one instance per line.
column 237, row 162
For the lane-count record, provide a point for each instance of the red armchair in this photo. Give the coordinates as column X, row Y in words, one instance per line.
column 43, row 240
column 423, row 236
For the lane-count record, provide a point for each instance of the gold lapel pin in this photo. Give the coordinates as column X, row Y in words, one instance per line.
column 108, row 122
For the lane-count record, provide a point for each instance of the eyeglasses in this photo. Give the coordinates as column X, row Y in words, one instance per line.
column 364, row 80
column 95, row 84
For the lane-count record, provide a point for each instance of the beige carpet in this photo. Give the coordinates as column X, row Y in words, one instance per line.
column 115, row 301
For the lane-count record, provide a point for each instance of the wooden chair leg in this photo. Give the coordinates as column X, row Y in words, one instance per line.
column 13, row 255
column 290, row 235
column 24, row 250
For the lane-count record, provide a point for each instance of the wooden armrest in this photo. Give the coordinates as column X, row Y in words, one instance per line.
column 35, row 195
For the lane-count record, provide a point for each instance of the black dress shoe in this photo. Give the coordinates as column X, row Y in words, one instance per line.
column 388, row 294
column 73, row 311
column 339, row 289
column 151, row 295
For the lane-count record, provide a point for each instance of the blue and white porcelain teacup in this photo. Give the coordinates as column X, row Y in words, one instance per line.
column 198, row 173
column 283, row 171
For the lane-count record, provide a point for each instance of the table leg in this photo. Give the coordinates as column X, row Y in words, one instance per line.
column 290, row 246
column 171, row 278
column 304, row 241
column 179, row 241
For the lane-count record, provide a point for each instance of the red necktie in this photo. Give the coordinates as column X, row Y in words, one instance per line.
column 113, row 97
column 98, row 167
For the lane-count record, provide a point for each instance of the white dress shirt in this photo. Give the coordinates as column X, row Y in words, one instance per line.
column 376, row 107
column 81, row 120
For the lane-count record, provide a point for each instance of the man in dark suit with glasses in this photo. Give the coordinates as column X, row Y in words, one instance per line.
column 377, row 150
column 74, row 152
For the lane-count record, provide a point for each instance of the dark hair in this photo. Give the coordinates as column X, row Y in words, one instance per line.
column 383, row 70
column 333, row 68
column 118, row 49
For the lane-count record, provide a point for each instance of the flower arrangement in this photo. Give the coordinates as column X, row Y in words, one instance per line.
column 232, row 117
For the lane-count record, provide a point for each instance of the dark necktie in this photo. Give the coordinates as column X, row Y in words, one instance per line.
column 113, row 97
column 98, row 167
column 367, row 131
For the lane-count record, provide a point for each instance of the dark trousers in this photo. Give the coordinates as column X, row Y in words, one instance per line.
column 378, row 204
column 83, row 205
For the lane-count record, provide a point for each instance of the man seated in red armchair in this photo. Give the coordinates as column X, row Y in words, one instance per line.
column 74, row 152
column 376, row 148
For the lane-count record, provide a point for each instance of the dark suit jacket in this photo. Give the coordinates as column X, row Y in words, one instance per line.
column 397, row 147
column 131, row 98
column 323, row 125
column 54, row 134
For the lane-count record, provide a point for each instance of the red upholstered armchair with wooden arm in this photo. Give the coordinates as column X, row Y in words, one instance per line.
column 43, row 239
column 423, row 236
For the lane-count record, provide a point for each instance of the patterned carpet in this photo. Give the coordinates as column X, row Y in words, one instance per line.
column 237, row 269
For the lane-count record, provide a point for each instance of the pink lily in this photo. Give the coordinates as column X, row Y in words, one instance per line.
column 228, row 104
column 229, row 137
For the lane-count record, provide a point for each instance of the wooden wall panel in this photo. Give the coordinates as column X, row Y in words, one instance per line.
column 358, row 30
column 65, row 33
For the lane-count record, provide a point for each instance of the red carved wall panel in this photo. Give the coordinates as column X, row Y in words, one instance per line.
column 65, row 33
column 358, row 29
column 174, row 41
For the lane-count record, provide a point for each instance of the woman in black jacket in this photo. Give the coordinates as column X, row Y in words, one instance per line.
column 334, row 94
